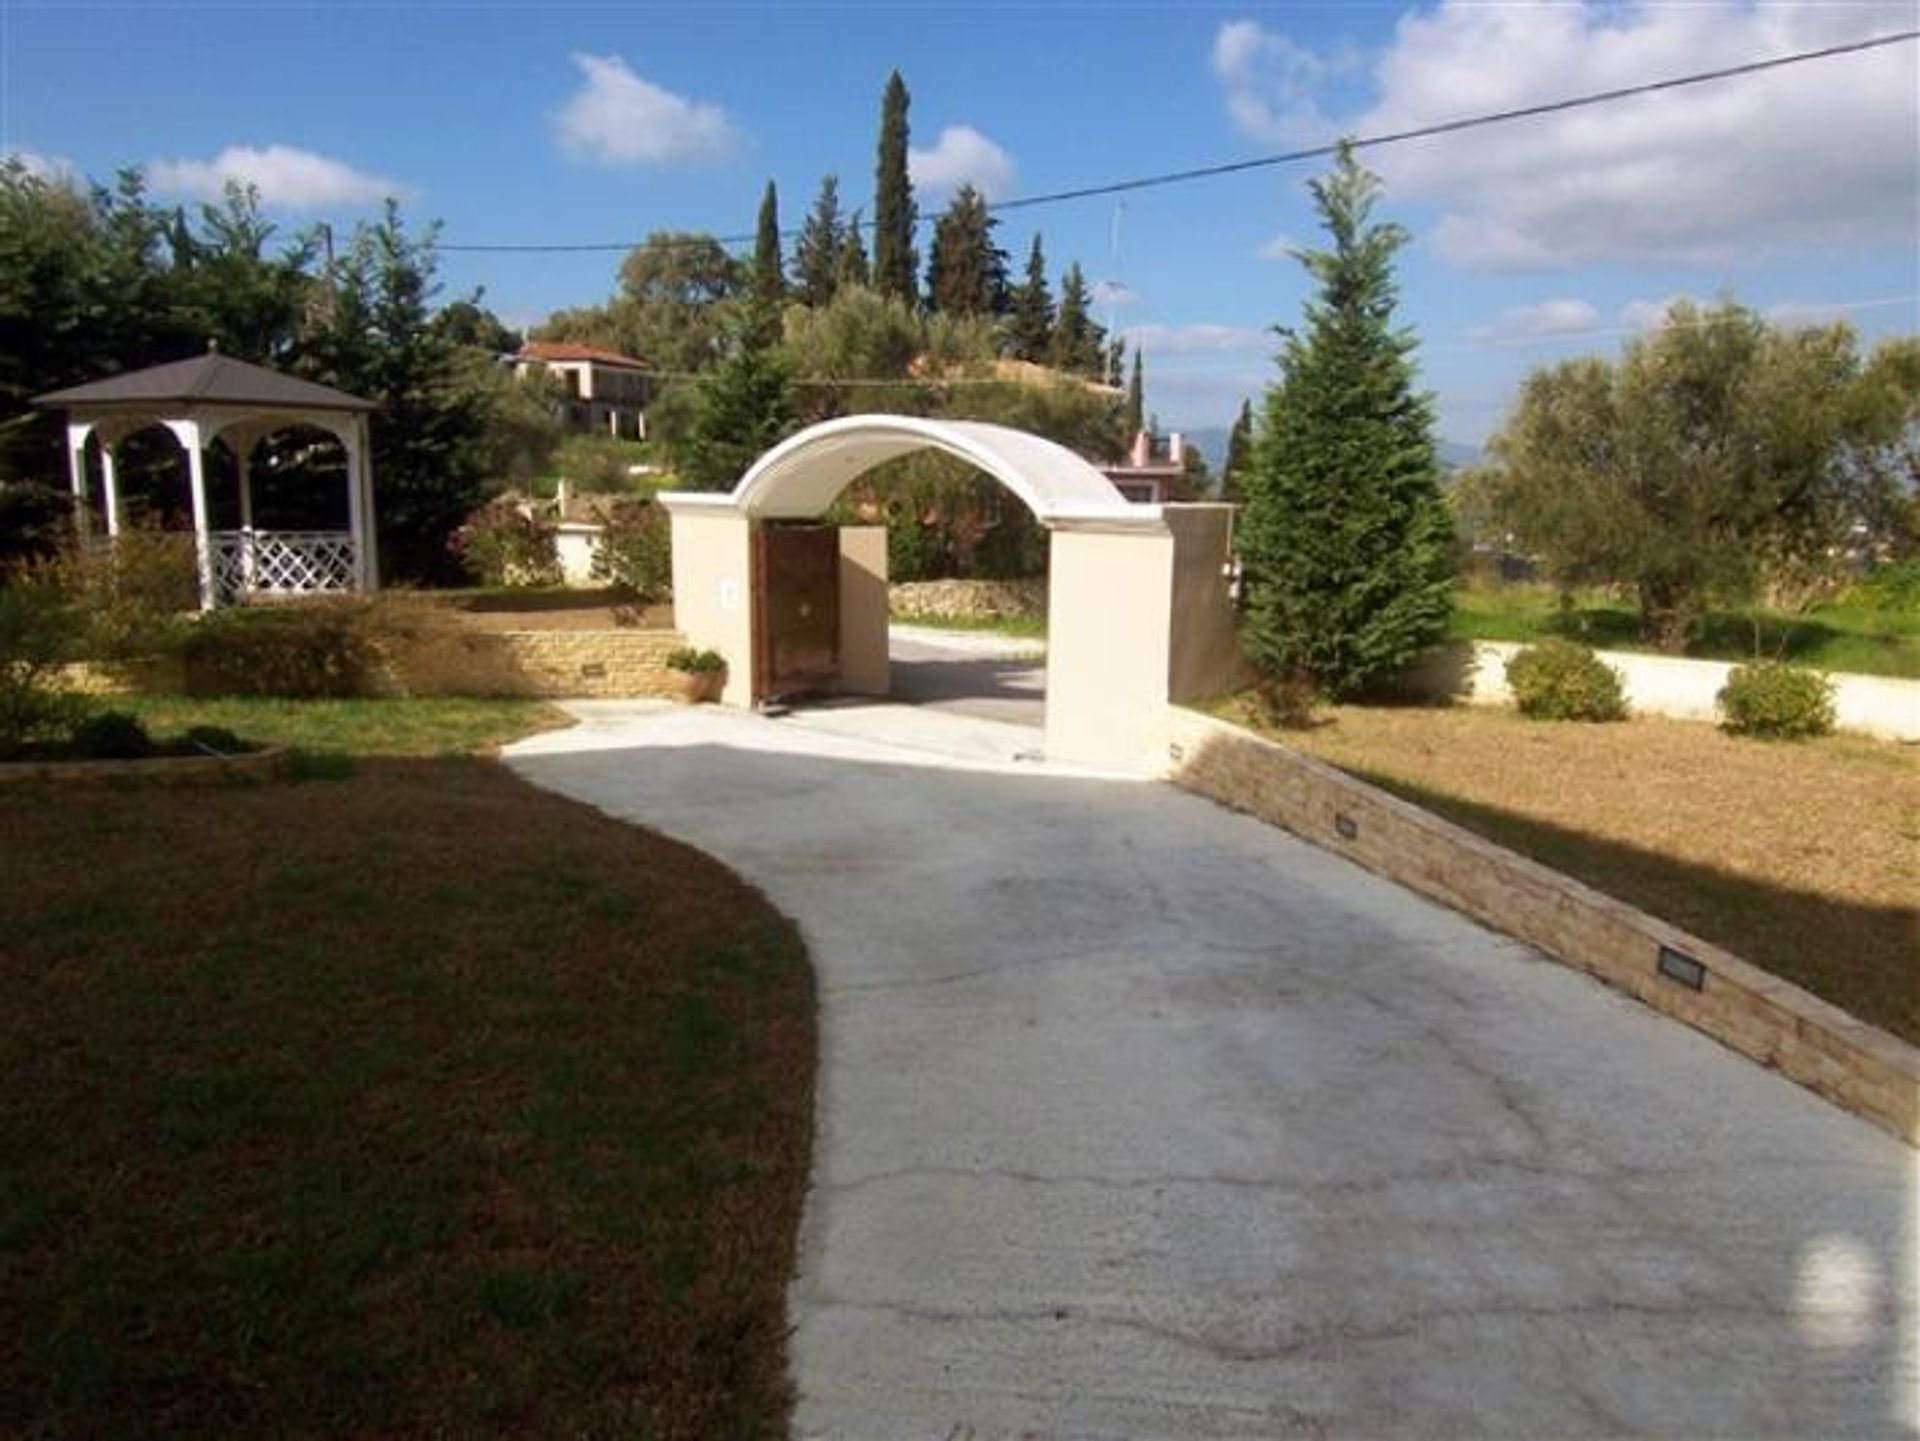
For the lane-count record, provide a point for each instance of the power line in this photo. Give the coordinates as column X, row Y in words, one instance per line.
column 1291, row 157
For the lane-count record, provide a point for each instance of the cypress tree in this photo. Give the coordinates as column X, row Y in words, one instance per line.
column 966, row 271
column 1078, row 343
column 816, row 256
column 1136, row 398
column 1239, row 455
column 854, row 269
column 769, row 279
column 1030, row 311
column 740, row 408
column 895, row 265
column 1345, row 539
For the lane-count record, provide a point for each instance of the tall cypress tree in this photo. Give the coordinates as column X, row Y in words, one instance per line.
column 1079, row 342
column 1030, row 311
column 1345, row 540
column 854, row 269
column 1239, row 455
column 816, row 255
column 895, row 265
column 966, row 271
column 769, row 277
column 1136, row 398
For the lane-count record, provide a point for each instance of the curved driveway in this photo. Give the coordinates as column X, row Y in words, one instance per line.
column 1139, row 1118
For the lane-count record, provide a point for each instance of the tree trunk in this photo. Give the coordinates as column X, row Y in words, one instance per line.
column 1670, row 614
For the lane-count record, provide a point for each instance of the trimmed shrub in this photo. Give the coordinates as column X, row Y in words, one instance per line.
column 635, row 551
column 111, row 736
column 130, row 596
column 1776, row 701
column 696, row 662
column 303, row 652
column 1563, row 680
column 505, row 543
column 38, row 627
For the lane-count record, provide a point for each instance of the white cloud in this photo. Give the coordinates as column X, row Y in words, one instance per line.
column 618, row 118
column 45, row 167
column 1648, row 314
column 1799, row 314
column 1280, row 247
column 962, row 154
column 1183, row 339
column 285, row 176
column 1270, row 83
column 1538, row 321
column 1821, row 158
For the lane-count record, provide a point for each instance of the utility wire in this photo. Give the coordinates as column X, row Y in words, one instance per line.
column 1312, row 152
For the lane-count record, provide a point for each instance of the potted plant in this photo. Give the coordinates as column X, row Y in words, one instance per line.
column 700, row 674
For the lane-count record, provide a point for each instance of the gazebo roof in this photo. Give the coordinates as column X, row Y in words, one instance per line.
column 210, row 379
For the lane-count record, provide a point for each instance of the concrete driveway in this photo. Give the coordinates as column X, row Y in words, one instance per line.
column 1139, row 1118
column 993, row 677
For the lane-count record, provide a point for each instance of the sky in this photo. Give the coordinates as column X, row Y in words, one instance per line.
column 1796, row 191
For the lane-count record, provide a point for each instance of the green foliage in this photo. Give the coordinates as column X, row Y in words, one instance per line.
column 1776, row 701
column 111, row 736
column 1894, row 587
column 895, row 266
column 1136, row 414
column 916, row 549
column 696, row 662
column 1719, row 453
column 769, row 277
column 678, row 293
column 506, row 542
column 1345, row 539
column 1079, row 343
column 520, row 426
column 38, row 628
column 1239, row 456
column 470, row 324
column 36, row 521
column 858, row 335
column 1029, row 326
column 966, row 271
column 854, row 269
column 817, row 253
column 739, row 411
column 1563, row 680
column 598, row 464
column 635, row 551
column 300, row 652
column 129, row 597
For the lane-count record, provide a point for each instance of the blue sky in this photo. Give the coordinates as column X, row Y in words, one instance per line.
column 1799, row 191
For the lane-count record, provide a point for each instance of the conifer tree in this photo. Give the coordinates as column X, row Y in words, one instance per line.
column 854, row 269
column 742, row 407
column 1078, row 343
column 769, row 277
column 1030, row 311
column 1136, row 398
column 895, row 266
column 966, row 271
column 1239, row 455
column 1345, row 539
column 816, row 256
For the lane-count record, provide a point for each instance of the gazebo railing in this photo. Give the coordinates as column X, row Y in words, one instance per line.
column 282, row 562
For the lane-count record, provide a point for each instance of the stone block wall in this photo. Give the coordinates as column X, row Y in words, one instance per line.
column 1860, row 1067
column 974, row 599
column 551, row 664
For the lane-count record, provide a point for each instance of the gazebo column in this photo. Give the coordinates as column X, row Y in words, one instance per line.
column 360, row 518
column 110, row 482
column 188, row 434
column 242, row 445
column 77, row 473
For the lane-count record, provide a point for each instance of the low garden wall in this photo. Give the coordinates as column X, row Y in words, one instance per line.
column 1874, row 705
column 972, row 599
column 260, row 765
column 1860, row 1067
column 550, row 664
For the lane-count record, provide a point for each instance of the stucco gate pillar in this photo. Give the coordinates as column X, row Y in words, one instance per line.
column 713, row 583
column 1109, row 623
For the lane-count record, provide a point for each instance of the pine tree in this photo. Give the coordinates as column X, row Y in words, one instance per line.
column 769, row 277
column 895, row 266
column 966, row 271
column 1239, row 456
column 1078, row 343
column 741, row 408
column 854, row 269
column 1345, row 539
column 1030, row 311
column 816, row 256
column 1136, row 398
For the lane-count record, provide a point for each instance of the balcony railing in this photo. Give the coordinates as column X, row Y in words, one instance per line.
column 282, row 562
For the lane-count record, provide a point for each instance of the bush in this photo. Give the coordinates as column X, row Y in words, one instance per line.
column 505, row 543
column 635, row 551
column 696, row 662
column 1891, row 587
column 1776, row 701
column 1562, row 680
column 111, row 736
column 217, row 739
column 36, row 521
column 129, row 595
column 304, row 652
column 38, row 630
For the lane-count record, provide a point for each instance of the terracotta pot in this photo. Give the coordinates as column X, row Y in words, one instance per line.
column 698, row 687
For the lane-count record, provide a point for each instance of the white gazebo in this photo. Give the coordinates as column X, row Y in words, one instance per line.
column 216, row 398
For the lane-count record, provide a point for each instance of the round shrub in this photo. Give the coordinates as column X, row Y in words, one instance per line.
column 635, row 550
column 505, row 543
column 1563, row 680
column 111, row 736
column 1778, row 701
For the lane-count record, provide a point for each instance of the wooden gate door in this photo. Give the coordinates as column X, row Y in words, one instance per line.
column 799, row 621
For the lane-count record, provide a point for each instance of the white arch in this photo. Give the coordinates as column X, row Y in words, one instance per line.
column 801, row 476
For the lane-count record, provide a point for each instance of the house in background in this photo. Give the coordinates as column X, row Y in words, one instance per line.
column 606, row 392
column 1150, row 475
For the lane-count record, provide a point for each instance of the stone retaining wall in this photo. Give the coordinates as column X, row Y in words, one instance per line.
column 975, row 599
column 549, row 664
column 1860, row 1067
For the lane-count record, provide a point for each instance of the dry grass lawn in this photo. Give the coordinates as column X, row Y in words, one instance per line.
column 1803, row 858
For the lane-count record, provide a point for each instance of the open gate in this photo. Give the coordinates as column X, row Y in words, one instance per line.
column 797, row 594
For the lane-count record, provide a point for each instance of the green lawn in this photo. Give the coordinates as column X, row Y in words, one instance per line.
column 1023, row 627
column 1831, row 637
column 413, row 1103
column 352, row 727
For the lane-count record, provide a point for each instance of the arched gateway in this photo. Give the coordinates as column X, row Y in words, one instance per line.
column 770, row 597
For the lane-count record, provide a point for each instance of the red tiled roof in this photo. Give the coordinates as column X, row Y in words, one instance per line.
column 565, row 350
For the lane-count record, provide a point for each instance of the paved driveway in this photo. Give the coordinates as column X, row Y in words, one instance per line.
column 980, row 674
column 1138, row 1118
